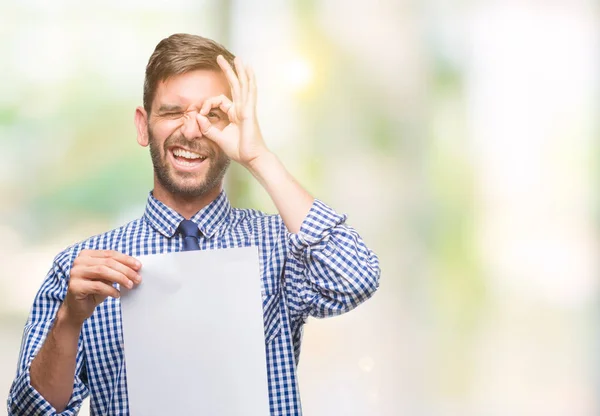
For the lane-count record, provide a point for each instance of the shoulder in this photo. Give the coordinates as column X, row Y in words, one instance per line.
column 240, row 216
column 110, row 240
column 256, row 222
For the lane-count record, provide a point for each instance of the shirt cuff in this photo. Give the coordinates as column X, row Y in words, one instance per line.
column 320, row 219
column 24, row 399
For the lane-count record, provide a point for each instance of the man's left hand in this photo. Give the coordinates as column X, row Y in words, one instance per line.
column 241, row 139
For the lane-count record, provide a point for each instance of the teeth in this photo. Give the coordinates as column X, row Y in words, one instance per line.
column 187, row 154
column 186, row 163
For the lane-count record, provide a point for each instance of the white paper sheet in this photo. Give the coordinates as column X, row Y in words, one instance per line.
column 194, row 335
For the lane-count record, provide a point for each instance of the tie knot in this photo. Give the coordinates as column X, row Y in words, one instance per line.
column 188, row 228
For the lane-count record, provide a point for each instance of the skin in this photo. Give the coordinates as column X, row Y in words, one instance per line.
column 208, row 112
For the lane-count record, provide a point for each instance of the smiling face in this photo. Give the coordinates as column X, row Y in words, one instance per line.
column 186, row 164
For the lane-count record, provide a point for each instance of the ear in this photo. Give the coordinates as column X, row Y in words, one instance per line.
column 141, row 125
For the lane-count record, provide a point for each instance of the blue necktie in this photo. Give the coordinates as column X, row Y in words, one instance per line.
column 190, row 232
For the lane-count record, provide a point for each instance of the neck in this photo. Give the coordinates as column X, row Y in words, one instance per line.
column 186, row 206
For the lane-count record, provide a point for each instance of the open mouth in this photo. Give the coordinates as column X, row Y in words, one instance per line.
column 186, row 159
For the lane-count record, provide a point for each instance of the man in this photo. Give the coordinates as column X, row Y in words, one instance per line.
column 198, row 113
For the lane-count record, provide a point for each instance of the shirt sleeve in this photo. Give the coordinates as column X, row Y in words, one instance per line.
column 23, row 399
column 329, row 269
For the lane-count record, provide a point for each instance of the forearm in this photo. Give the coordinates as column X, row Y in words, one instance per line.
column 53, row 368
column 292, row 201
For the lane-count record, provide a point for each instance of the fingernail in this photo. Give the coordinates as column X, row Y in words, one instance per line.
column 129, row 284
column 138, row 264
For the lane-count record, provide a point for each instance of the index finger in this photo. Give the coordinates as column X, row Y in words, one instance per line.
column 221, row 102
column 129, row 261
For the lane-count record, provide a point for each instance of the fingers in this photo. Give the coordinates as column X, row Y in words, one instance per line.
column 123, row 258
column 92, row 279
column 231, row 78
column 206, row 127
column 243, row 79
column 103, row 289
column 208, row 130
column 108, row 266
column 83, row 288
column 222, row 103
column 251, row 87
column 114, row 272
column 243, row 85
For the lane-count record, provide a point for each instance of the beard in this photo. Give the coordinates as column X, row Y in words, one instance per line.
column 185, row 184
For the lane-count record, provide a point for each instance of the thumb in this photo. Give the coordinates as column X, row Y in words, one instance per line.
column 208, row 130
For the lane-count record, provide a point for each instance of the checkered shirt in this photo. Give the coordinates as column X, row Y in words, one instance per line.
column 323, row 270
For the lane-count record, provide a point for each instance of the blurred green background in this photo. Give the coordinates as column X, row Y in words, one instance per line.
column 461, row 138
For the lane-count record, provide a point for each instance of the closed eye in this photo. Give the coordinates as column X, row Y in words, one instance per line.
column 170, row 111
column 173, row 115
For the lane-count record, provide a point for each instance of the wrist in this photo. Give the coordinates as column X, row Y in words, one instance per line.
column 68, row 320
column 262, row 164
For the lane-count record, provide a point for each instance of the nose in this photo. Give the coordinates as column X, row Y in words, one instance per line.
column 190, row 128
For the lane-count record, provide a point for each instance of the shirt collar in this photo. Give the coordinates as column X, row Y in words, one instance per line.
column 165, row 220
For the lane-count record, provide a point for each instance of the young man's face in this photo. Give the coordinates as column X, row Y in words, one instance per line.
column 186, row 164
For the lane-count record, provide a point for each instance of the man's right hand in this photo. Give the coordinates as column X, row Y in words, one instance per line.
column 92, row 277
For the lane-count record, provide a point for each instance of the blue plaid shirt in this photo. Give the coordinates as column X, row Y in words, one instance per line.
column 323, row 270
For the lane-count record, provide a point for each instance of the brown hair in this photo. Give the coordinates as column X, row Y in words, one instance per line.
column 178, row 54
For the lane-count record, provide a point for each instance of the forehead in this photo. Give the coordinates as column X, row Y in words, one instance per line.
column 191, row 88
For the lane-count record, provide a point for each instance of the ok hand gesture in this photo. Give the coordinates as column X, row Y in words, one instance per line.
column 241, row 139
